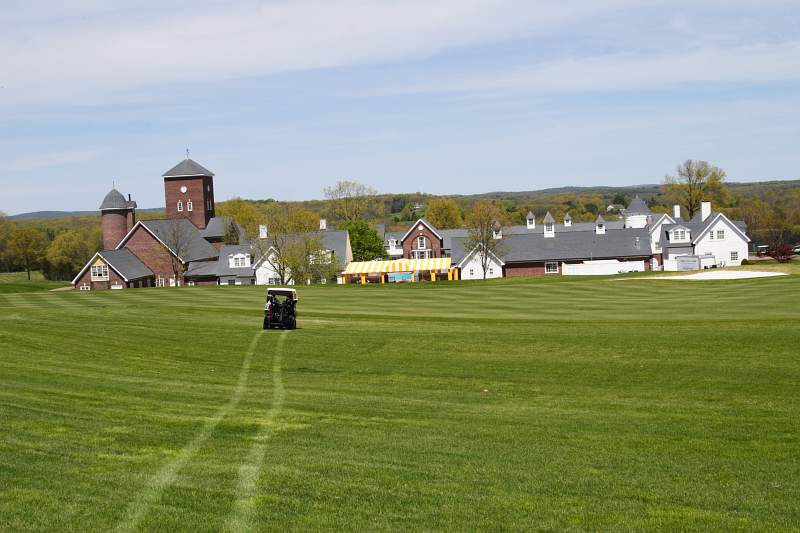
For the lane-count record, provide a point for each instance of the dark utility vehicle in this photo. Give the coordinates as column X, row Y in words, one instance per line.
column 280, row 311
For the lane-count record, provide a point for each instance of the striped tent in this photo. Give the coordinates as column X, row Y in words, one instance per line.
column 438, row 264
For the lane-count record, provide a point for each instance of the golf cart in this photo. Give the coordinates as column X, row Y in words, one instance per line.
column 280, row 309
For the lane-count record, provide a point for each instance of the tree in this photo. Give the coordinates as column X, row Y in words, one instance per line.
column 350, row 199
column 244, row 212
column 696, row 181
column 443, row 213
column 365, row 241
column 178, row 237
column 292, row 234
column 27, row 246
column 68, row 252
column 231, row 233
column 481, row 223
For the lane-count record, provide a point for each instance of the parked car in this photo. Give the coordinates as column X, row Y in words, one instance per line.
column 280, row 309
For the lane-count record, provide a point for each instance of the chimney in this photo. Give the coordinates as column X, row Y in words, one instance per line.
column 676, row 212
column 323, row 224
column 705, row 210
column 262, row 231
column 129, row 197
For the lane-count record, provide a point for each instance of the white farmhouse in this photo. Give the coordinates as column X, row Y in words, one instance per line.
column 709, row 239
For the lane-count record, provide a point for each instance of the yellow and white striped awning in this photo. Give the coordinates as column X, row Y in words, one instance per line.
column 398, row 265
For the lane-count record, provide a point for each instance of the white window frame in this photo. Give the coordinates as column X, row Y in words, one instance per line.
column 548, row 227
column 421, row 242
column 734, row 255
column 471, row 272
column 103, row 273
column 180, row 206
column 189, row 206
column 720, row 234
column 548, row 270
column 85, row 287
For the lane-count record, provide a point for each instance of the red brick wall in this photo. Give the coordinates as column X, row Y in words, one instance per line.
column 151, row 252
column 114, row 225
column 197, row 190
column 525, row 269
column 432, row 242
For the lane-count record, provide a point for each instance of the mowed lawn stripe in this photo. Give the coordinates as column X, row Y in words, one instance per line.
column 577, row 404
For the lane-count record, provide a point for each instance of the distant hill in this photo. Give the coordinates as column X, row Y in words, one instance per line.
column 62, row 214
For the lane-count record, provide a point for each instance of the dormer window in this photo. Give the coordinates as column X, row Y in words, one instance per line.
column 239, row 260
column 180, row 206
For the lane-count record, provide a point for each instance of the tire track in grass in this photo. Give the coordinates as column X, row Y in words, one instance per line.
column 151, row 494
column 249, row 472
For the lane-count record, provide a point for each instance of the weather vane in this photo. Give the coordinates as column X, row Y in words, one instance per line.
column 187, row 152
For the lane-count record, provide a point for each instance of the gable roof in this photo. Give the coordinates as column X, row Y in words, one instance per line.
column 711, row 220
column 600, row 220
column 548, row 219
column 426, row 223
column 165, row 231
column 637, row 207
column 187, row 167
column 577, row 245
column 123, row 262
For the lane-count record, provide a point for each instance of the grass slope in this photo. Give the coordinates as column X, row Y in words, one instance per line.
column 11, row 282
column 544, row 404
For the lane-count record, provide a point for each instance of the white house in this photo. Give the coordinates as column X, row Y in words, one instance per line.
column 710, row 237
column 471, row 268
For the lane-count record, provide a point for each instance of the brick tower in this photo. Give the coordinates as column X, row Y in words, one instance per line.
column 189, row 192
column 117, row 217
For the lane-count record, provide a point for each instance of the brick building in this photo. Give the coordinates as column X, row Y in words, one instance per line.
column 147, row 253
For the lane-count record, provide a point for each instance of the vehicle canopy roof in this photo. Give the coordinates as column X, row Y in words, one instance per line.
column 288, row 293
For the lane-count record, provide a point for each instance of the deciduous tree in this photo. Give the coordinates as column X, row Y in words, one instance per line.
column 695, row 182
column 443, row 213
column 365, row 241
column 244, row 212
column 68, row 252
column 481, row 223
column 27, row 247
column 350, row 199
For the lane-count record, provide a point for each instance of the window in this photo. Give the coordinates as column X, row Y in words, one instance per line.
column 421, row 242
column 720, row 234
column 549, row 227
column 239, row 261
column 734, row 256
column 679, row 235
column 491, row 271
column 100, row 272
column 273, row 281
column 471, row 271
column 86, row 287
column 551, row 268
column 180, row 206
column 189, row 205
column 231, row 282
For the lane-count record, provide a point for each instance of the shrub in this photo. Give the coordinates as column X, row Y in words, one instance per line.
column 782, row 253
column 746, row 262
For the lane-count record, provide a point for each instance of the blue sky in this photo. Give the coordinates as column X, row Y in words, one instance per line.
column 282, row 98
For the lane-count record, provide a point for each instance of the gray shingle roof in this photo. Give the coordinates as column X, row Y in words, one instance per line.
column 576, row 245
column 548, row 219
column 196, row 247
column 126, row 263
column 202, row 269
column 223, row 264
column 529, row 215
column 600, row 220
column 637, row 207
column 115, row 200
column 218, row 226
column 187, row 167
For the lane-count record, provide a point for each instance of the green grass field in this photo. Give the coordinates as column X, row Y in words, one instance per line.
column 525, row 404
column 11, row 282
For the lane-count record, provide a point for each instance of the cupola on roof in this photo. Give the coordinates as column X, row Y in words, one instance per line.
column 637, row 207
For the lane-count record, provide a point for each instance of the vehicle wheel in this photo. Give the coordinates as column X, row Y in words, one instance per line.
column 291, row 323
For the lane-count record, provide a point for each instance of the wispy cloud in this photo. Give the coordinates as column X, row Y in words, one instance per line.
column 46, row 160
column 626, row 71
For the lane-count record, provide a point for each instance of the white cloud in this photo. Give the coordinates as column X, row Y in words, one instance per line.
column 47, row 160
column 753, row 64
column 91, row 47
